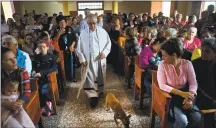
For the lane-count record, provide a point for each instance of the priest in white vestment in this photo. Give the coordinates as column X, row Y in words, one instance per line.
column 93, row 47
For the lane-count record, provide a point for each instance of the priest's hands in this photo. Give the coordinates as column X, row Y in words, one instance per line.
column 100, row 56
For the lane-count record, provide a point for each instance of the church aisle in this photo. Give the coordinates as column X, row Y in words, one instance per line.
column 77, row 113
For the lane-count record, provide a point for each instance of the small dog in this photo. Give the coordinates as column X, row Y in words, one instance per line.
column 113, row 103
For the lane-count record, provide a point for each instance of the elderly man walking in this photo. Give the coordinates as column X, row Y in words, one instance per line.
column 93, row 47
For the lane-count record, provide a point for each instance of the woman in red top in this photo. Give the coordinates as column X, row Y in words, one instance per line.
column 191, row 42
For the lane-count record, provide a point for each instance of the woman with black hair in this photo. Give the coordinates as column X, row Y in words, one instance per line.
column 177, row 77
column 205, row 69
column 131, row 22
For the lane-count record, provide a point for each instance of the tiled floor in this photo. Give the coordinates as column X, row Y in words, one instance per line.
column 76, row 112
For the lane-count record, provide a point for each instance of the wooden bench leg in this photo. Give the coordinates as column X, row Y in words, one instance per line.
column 141, row 98
column 135, row 92
column 57, row 96
column 40, row 123
column 54, row 103
column 152, row 118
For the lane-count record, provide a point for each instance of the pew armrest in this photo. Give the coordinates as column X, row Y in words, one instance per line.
column 34, row 84
column 160, row 99
column 31, row 100
column 207, row 111
column 138, row 75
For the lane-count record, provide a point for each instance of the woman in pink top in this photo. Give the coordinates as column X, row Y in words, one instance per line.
column 192, row 42
column 177, row 76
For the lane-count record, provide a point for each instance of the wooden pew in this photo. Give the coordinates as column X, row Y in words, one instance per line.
column 62, row 65
column 32, row 107
column 160, row 104
column 121, row 43
column 53, row 90
column 139, row 73
column 121, row 56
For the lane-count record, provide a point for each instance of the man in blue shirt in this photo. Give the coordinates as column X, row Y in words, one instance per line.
column 83, row 23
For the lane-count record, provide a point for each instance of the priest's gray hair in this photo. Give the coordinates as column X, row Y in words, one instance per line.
column 92, row 17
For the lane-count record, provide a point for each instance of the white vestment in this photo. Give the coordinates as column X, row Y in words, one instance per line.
column 90, row 45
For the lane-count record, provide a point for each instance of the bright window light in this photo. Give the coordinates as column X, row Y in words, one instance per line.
column 166, row 8
column 8, row 9
column 209, row 3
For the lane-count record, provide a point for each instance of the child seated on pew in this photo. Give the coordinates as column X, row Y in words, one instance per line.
column 149, row 60
column 17, row 117
column 45, row 63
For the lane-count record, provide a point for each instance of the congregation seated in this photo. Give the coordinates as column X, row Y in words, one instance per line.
column 205, row 68
column 177, row 77
column 41, row 47
column 23, row 59
column 10, row 71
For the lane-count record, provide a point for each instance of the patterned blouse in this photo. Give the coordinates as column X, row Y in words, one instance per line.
column 20, row 75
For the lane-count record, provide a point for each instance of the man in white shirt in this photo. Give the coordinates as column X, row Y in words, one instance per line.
column 93, row 47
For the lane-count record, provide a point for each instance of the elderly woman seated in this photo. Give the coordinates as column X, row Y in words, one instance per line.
column 177, row 77
column 205, row 69
column 191, row 41
column 23, row 59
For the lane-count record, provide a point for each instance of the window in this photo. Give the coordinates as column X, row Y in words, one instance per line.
column 90, row 5
column 94, row 7
column 209, row 3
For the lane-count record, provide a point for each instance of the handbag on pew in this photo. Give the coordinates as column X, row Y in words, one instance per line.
column 176, row 101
